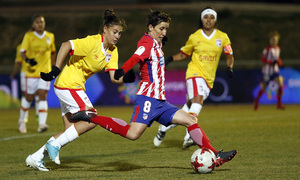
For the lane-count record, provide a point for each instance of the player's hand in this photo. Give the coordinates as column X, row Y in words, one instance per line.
column 129, row 77
column 32, row 62
column 169, row 60
column 119, row 73
column 51, row 75
column 230, row 72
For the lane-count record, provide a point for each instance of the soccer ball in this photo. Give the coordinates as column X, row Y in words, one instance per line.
column 203, row 160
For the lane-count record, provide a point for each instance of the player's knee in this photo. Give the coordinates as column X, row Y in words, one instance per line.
column 133, row 136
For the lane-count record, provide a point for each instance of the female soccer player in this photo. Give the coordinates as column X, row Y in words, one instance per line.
column 150, row 102
column 205, row 46
column 38, row 50
column 88, row 56
column 271, row 62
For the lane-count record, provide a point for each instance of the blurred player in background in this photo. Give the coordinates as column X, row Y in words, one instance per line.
column 89, row 55
column 206, row 46
column 20, row 62
column 271, row 62
column 38, row 51
column 150, row 102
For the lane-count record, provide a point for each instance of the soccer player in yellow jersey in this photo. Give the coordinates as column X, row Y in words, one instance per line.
column 88, row 56
column 205, row 46
column 38, row 50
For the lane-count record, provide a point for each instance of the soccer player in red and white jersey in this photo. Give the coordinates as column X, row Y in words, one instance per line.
column 205, row 47
column 150, row 102
column 88, row 56
column 271, row 62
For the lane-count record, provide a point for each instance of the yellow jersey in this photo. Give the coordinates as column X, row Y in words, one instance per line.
column 39, row 48
column 88, row 57
column 20, row 60
column 206, row 52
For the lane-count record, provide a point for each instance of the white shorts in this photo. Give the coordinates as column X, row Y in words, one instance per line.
column 197, row 86
column 73, row 100
column 22, row 81
column 33, row 84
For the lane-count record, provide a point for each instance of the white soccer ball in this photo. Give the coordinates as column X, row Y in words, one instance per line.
column 203, row 160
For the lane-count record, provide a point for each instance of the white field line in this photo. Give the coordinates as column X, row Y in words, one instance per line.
column 27, row 136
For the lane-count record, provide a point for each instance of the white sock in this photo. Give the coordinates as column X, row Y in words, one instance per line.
column 25, row 105
column 185, row 108
column 164, row 128
column 43, row 112
column 195, row 108
column 39, row 154
column 68, row 136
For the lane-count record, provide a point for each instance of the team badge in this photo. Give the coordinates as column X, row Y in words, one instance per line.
column 145, row 116
column 48, row 40
column 219, row 42
column 107, row 57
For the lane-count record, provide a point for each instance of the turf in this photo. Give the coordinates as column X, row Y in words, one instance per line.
column 267, row 142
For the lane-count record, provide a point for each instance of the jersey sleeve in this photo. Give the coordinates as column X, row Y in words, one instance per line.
column 52, row 46
column 188, row 48
column 25, row 43
column 227, row 45
column 143, row 50
column 82, row 47
column 18, row 55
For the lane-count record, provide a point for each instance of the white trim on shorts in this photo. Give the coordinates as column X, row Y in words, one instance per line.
column 73, row 100
column 22, row 81
column 197, row 86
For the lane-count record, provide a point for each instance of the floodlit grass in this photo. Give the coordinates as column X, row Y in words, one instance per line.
column 268, row 142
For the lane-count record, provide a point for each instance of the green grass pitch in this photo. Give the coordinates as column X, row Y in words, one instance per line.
column 267, row 141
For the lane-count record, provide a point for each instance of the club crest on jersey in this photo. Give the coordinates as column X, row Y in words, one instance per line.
column 219, row 42
column 107, row 57
column 48, row 40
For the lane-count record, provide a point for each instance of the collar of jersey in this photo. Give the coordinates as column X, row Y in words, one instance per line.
column 146, row 34
column 39, row 36
column 208, row 37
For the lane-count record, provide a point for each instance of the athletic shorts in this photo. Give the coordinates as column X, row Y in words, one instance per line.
column 197, row 86
column 22, row 81
column 33, row 84
column 268, row 78
column 73, row 100
column 147, row 110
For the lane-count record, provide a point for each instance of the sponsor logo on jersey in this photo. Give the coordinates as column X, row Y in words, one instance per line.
column 140, row 50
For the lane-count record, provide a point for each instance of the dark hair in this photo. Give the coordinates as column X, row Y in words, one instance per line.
column 156, row 17
column 200, row 20
column 34, row 17
column 110, row 19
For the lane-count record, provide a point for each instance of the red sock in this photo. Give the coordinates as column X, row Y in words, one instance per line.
column 279, row 95
column 198, row 135
column 117, row 126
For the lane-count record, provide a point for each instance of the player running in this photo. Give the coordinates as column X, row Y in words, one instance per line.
column 150, row 102
column 206, row 46
column 88, row 56
column 271, row 62
column 38, row 50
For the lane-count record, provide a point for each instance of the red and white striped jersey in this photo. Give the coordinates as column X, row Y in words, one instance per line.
column 152, row 68
column 270, row 55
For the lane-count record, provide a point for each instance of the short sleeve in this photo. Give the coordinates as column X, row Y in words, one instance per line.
column 82, row 47
column 188, row 48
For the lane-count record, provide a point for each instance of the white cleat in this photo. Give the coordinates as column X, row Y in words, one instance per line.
column 158, row 138
column 39, row 165
column 187, row 143
column 42, row 128
column 22, row 127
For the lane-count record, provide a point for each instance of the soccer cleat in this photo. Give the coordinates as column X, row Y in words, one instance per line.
column 158, row 138
column 82, row 116
column 22, row 127
column 255, row 104
column 39, row 165
column 53, row 152
column 223, row 157
column 42, row 128
column 187, row 143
